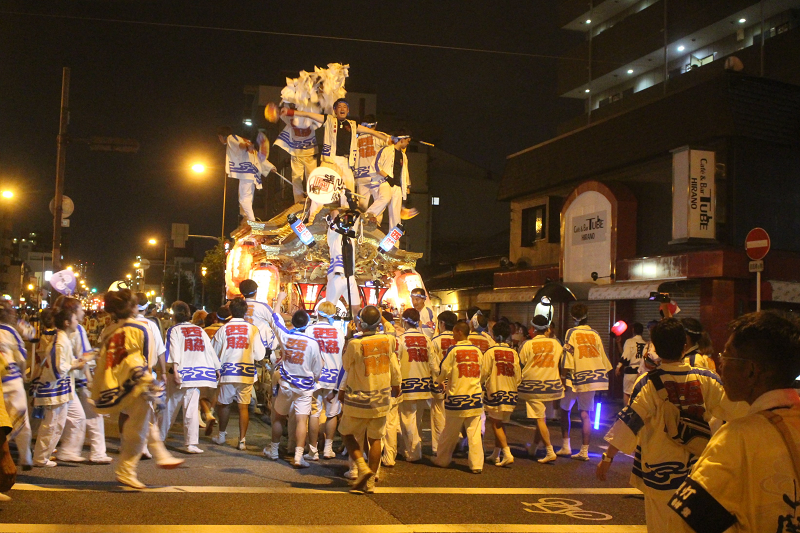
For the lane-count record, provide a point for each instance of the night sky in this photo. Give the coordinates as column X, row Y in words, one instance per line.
column 170, row 87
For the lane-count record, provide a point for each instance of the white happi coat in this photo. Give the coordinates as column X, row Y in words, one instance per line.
column 238, row 344
column 195, row 361
column 331, row 345
column 502, row 372
column 414, row 351
column 542, row 359
column 591, row 363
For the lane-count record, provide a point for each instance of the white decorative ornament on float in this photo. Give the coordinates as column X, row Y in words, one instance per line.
column 587, row 238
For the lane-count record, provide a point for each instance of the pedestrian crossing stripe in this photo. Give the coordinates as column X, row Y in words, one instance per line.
column 364, row 528
column 476, row 491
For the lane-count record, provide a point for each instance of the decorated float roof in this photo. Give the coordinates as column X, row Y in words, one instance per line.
column 275, row 242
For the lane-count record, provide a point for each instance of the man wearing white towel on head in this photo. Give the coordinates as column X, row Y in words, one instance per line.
column 247, row 163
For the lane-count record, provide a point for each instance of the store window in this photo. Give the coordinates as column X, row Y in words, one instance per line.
column 534, row 227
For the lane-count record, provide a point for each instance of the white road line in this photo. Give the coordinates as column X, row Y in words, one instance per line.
column 475, row 491
column 376, row 528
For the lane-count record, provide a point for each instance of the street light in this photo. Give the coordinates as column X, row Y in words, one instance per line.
column 8, row 195
column 198, row 168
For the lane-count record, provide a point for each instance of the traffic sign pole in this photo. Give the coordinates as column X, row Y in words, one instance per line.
column 757, row 244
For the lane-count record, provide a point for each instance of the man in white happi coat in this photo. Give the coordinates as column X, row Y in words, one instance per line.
column 192, row 364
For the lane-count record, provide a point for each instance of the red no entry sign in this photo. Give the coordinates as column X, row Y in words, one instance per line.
column 756, row 244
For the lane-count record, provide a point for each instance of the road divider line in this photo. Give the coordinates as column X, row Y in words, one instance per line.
column 475, row 491
column 362, row 528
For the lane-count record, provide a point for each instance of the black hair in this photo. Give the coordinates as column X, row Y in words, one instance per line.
column 449, row 318
column 181, row 311
column 224, row 131
column 462, row 327
column 501, row 331
column 579, row 312
column 471, row 311
column 118, row 303
column 772, row 340
column 638, row 328
column 669, row 338
column 300, row 319
column 238, row 307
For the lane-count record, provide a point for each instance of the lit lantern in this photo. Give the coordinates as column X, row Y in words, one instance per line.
column 238, row 265
column 405, row 282
column 372, row 295
column 268, row 278
column 619, row 328
column 310, row 294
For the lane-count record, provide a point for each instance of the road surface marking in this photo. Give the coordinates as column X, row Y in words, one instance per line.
column 364, row 528
column 488, row 491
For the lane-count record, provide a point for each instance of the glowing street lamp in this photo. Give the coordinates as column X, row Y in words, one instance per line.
column 8, row 195
column 198, row 168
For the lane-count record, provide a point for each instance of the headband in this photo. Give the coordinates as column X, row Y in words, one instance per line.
column 539, row 328
column 143, row 307
column 411, row 322
column 370, row 125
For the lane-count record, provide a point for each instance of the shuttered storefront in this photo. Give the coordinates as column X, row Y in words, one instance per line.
column 686, row 295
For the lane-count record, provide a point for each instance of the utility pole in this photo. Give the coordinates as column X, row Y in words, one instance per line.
column 60, row 164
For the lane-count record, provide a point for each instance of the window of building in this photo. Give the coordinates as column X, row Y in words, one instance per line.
column 534, row 227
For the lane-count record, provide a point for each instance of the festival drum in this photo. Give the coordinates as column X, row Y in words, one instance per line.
column 324, row 185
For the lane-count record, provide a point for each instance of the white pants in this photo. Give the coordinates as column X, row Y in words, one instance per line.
column 437, row 421
column 387, row 195
column 362, row 188
column 247, row 189
column 410, row 412
column 138, row 431
column 50, row 430
column 17, row 406
column 74, row 430
column 337, row 286
column 449, row 439
column 95, row 426
column 389, row 441
column 302, row 165
column 659, row 517
column 190, row 400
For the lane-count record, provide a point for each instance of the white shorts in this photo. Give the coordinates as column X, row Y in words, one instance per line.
column 535, row 409
column 235, row 393
column 373, row 428
column 332, row 408
column 288, row 399
column 585, row 400
column 496, row 414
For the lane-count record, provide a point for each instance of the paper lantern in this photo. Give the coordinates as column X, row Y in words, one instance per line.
column 619, row 328
column 268, row 278
column 371, row 295
column 310, row 294
column 238, row 265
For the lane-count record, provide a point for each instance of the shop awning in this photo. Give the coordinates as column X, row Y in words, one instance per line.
column 624, row 290
column 785, row 291
column 498, row 296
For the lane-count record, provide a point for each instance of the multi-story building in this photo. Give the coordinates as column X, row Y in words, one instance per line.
column 656, row 185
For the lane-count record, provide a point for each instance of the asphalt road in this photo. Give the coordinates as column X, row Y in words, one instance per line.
column 225, row 489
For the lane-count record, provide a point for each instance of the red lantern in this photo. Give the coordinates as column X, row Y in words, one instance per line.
column 310, row 294
column 372, row 295
column 619, row 328
column 238, row 265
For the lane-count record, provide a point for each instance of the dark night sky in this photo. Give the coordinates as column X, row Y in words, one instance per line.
column 170, row 87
